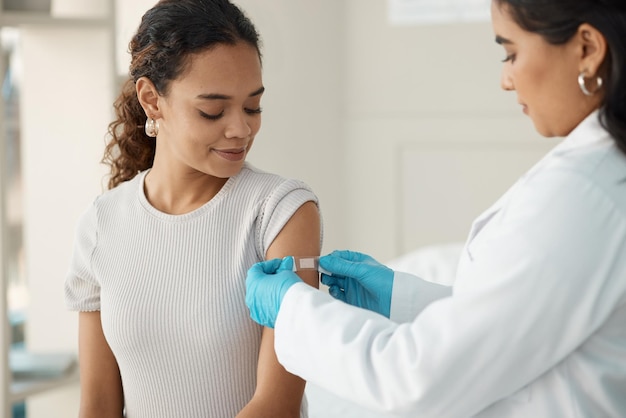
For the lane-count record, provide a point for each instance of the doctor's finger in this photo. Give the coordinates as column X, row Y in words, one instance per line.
column 264, row 267
column 332, row 280
column 341, row 267
column 286, row 264
column 349, row 255
column 337, row 293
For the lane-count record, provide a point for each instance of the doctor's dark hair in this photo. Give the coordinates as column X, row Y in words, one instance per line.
column 558, row 20
column 168, row 34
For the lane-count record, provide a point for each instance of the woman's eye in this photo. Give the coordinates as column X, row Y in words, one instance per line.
column 210, row 116
column 510, row 57
column 253, row 111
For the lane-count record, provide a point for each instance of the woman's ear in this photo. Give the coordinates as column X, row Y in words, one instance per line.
column 148, row 97
column 594, row 49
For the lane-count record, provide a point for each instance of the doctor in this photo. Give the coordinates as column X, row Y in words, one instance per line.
column 535, row 325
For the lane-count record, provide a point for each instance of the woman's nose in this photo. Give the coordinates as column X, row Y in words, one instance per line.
column 238, row 127
column 506, row 83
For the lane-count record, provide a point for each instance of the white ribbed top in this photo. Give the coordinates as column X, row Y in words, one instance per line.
column 171, row 291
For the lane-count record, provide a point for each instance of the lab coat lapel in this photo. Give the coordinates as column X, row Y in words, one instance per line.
column 483, row 220
column 480, row 223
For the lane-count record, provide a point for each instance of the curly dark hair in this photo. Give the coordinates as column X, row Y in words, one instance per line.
column 558, row 20
column 167, row 35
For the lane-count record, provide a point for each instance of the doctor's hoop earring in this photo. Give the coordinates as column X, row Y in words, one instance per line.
column 583, row 86
column 152, row 128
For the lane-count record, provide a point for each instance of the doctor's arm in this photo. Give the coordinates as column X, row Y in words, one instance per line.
column 279, row 393
column 526, row 301
column 360, row 280
column 411, row 294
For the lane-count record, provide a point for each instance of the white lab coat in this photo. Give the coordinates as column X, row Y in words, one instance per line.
column 535, row 325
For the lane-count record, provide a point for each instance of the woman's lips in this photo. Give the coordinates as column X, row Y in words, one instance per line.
column 231, row 154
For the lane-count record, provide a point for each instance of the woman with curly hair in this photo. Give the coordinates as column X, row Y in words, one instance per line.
column 160, row 259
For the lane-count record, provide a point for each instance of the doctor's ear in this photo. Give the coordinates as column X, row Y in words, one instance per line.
column 593, row 49
column 148, row 97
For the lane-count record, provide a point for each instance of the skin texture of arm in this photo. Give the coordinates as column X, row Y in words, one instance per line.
column 279, row 393
column 100, row 382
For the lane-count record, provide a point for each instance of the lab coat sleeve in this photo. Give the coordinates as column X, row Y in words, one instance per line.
column 541, row 282
column 410, row 295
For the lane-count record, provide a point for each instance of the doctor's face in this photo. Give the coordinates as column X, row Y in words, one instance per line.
column 543, row 75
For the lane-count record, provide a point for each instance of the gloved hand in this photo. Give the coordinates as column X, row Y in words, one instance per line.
column 266, row 285
column 358, row 279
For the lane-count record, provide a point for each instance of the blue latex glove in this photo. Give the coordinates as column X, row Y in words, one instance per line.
column 266, row 285
column 359, row 280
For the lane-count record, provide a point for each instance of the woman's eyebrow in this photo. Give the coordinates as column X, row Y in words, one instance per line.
column 217, row 96
column 257, row 92
column 501, row 40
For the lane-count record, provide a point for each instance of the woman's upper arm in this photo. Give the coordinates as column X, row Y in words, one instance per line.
column 101, row 385
column 275, row 386
column 300, row 236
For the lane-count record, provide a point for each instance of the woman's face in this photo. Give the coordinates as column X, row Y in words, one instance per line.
column 212, row 112
column 543, row 75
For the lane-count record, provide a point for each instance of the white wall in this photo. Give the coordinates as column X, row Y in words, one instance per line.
column 66, row 106
column 424, row 90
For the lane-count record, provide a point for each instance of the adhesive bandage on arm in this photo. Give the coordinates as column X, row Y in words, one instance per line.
column 307, row 263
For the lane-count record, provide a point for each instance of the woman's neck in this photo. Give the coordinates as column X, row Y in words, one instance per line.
column 177, row 193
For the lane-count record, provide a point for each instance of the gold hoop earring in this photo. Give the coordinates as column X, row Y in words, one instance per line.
column 152, row 128
column 583, row 86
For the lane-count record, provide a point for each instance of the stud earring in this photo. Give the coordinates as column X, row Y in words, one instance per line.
column 583, row 86
column 152, row 128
